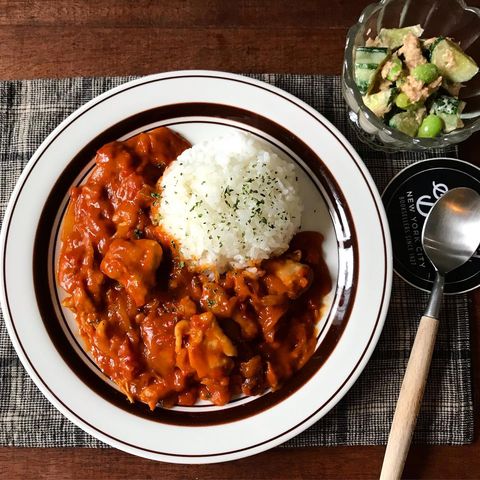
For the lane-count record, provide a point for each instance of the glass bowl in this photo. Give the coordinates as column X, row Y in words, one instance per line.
column 449, row 18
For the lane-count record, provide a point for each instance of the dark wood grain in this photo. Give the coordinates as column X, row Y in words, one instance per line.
column 80, row 51
column 442, row 462
column 113, row 37
column 269, row 14
column 56, row 39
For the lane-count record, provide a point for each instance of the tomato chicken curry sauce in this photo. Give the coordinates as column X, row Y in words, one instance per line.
column 165, row 333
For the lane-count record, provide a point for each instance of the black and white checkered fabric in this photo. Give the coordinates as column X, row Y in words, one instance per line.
column 29, row 110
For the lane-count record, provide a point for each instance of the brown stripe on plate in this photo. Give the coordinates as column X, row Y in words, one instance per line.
column 45, row 235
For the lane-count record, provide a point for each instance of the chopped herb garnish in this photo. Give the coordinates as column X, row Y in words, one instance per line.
column 210, row 302
column 138, row 233
column 195, row 205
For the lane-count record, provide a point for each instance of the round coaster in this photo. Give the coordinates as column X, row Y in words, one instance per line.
column 408, row 199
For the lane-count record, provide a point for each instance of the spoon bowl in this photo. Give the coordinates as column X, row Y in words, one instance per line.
column 451, row 233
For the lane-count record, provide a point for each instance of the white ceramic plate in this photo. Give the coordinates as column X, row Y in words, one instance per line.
column 340, row 200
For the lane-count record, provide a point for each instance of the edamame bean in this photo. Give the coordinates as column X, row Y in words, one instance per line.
column 402, row 101
column 431, row 127
column 395, row 69
column 426, row 73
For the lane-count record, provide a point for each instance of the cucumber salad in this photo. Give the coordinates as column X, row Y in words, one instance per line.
column 413, row 83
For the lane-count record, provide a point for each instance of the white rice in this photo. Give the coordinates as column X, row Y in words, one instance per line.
column 230, row 202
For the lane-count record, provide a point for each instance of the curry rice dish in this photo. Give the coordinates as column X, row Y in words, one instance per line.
column 185, row 269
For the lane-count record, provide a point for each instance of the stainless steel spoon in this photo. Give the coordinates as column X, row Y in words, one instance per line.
column 450, row 237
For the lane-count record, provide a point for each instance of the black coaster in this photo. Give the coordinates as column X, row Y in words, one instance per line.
column 408, row 199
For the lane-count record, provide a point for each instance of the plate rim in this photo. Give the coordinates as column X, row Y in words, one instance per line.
column 298, row 103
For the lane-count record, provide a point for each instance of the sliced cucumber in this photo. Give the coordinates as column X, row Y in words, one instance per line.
column 454, row 64
column 452, row 89
column 380, row 103
column 407, row 122
column 432, row 46
column 371, row 55
column 368, row 61
column 449, row 110
column 393, row 37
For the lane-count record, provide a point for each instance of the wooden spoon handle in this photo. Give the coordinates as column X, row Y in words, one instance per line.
column 409, row 400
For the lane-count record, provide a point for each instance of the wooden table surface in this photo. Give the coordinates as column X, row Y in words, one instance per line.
column 113, row 37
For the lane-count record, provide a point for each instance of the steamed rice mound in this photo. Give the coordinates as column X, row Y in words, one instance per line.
column 229, row 202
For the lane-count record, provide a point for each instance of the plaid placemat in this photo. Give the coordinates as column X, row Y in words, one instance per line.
column 29, row 110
